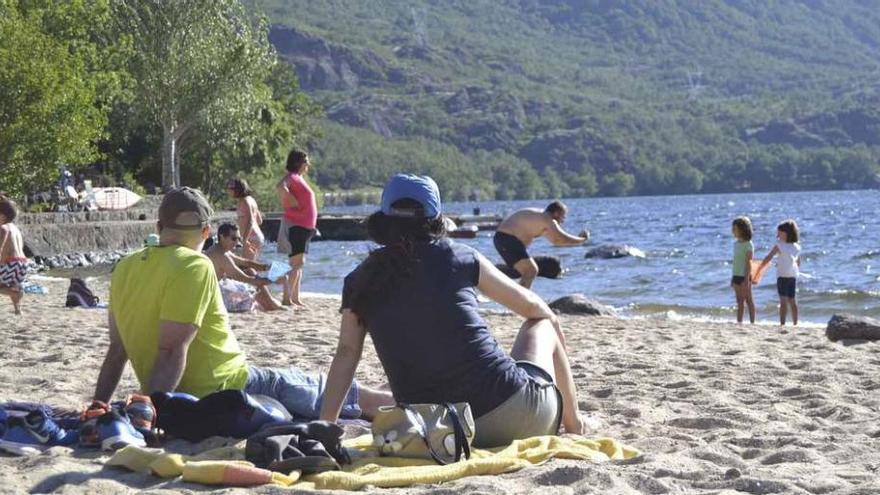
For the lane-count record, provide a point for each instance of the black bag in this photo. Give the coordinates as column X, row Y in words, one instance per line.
column 228, row 413
column 78, row 295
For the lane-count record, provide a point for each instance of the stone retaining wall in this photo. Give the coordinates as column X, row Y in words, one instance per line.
column 53, row 234
column 83, row 217
column 78, row 233
column 51, row 239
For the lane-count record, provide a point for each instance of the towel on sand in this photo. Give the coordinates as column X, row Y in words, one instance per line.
column 222, row 466
column 225, row 466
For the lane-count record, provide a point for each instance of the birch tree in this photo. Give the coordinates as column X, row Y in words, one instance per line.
column 198, row 65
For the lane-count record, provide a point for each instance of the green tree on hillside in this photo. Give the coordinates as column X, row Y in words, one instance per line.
column 617, row 184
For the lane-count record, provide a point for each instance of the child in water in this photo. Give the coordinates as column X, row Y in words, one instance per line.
column 13, row 264
column 787, row 268
column 742, row 260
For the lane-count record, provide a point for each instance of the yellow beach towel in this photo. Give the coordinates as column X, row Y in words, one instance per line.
column 226, row 466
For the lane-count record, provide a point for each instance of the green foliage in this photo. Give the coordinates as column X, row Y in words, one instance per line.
column 618, row 184
column 284, row 121
column 48, row 95
column 118, row 81
column 348, row 158
column 200, row 68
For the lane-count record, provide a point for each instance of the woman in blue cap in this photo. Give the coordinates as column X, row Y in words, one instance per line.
column 417, row 297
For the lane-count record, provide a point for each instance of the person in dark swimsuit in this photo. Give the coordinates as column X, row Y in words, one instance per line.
column 518, row 230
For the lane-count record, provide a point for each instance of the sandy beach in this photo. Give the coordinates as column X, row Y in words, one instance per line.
column 716, row 408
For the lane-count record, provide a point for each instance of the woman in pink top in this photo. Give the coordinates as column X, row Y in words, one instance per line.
column 249, row 218
column 301, row 216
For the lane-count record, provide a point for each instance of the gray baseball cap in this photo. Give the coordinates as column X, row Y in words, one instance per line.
column 184, row 208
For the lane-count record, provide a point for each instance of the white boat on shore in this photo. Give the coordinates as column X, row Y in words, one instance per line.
column 112, row 198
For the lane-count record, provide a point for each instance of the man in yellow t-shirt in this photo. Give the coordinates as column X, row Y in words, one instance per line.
column 167, row 317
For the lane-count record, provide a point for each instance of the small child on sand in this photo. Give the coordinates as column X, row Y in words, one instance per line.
column 787, row 268
column 13, row 264
column 742, row 261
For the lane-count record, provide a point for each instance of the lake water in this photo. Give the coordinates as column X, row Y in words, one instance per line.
column 687, row 239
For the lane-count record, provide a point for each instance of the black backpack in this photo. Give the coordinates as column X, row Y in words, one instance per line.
column 78, row 295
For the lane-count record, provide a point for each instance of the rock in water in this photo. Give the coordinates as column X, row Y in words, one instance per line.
column 549, row 266
column 579, row 304
column 852, row 327
column 610, row 251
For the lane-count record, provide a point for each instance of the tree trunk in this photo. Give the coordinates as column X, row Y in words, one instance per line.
column 177, row 182
column 170, row 166
column 207, row 183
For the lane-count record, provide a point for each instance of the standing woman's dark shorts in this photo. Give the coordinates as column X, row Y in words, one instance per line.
column 511, row 249
column 786, row 287
column 299, row 238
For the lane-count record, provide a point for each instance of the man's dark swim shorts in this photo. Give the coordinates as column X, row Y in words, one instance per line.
column 510, row 248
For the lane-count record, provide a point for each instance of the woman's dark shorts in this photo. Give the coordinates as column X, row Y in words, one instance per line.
column 786, row 287
column 510, row 248
column 299, row 238
column 737, row 280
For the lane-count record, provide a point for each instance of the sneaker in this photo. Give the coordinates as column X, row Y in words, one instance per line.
column 141, row 413
column 25, row 434
column 116, row 431
column 89, row 436
column 143, row 416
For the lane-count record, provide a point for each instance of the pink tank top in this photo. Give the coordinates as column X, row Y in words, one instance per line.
column 306, row 215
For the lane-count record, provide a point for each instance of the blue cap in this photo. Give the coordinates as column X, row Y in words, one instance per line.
column 420, row 188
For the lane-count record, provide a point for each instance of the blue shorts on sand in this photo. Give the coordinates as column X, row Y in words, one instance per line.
column 299, row 392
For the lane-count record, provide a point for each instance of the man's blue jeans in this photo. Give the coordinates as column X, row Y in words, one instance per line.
column 299, row 392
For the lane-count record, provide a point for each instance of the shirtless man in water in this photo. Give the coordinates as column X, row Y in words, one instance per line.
column 517, row 231
column 228, row 265
column 13, row 263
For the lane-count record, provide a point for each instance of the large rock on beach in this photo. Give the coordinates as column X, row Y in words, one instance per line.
column 611, row 251
column 579, row 304
column 848, row 327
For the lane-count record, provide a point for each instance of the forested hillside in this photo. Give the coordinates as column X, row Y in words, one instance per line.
column 534, row 98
